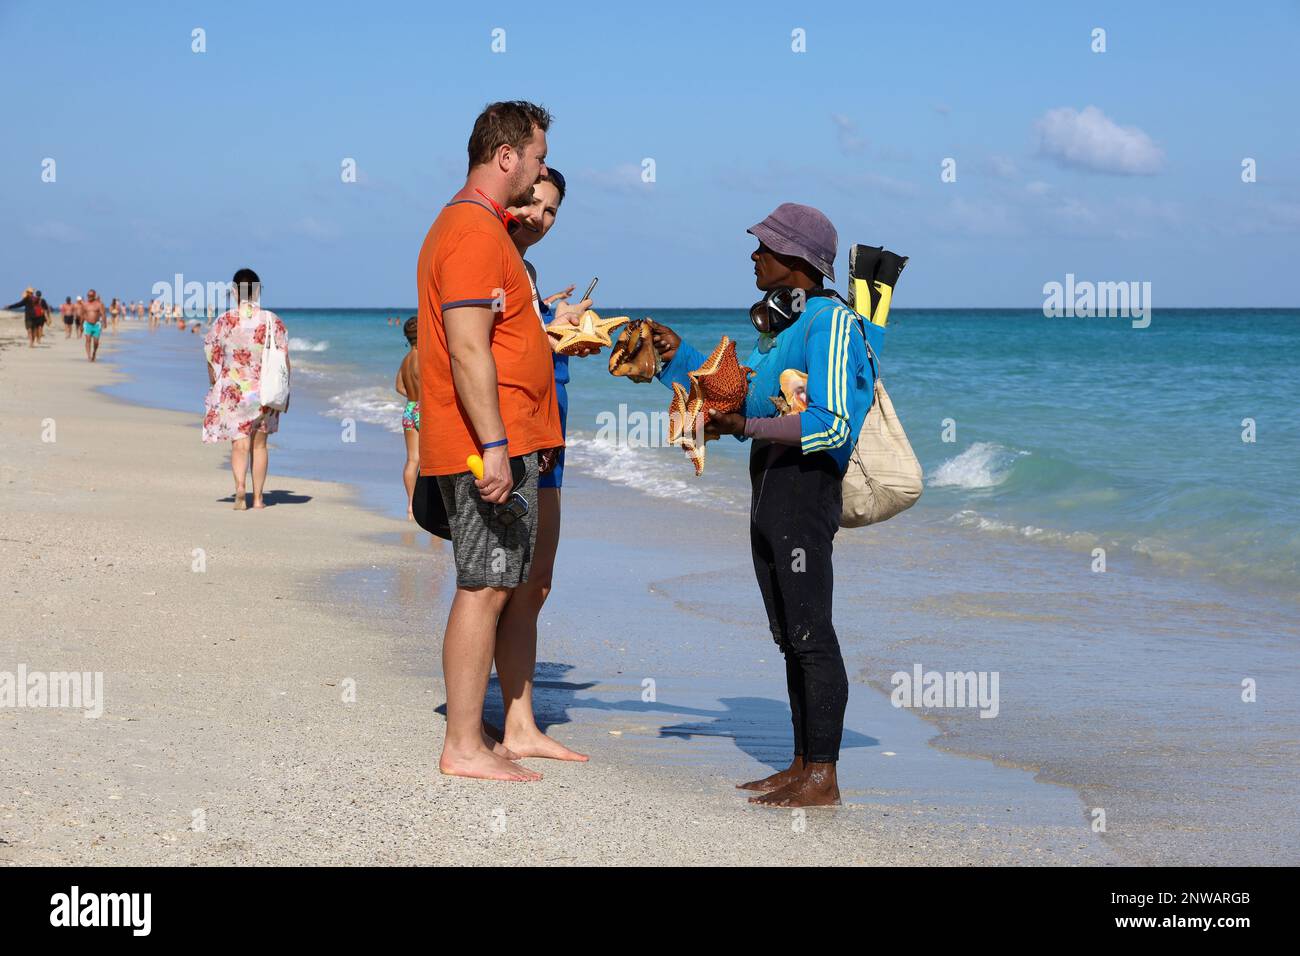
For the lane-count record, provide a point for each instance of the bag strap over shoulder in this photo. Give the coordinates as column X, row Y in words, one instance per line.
column 862, row 330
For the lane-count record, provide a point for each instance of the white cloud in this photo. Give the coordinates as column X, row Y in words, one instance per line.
column 623, row 178
column 53, row 230
column 313, row 228
column 1091, row 140
column 847, row 133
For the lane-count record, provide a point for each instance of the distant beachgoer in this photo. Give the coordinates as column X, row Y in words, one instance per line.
column 93, row 316
column 66, row 311
column 155, row 309
column 233, row 347
column 113, row 313
column 408, row 386
column 33, row 319
column 44, row 307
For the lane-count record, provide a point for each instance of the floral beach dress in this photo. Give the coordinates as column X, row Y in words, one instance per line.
column 234, row 347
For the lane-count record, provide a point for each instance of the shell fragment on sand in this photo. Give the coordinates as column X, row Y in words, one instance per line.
column 591, row 331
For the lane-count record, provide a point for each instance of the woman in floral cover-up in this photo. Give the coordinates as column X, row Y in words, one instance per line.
column 234, row 413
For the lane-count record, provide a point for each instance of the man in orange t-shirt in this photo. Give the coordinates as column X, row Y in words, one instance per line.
column 487, row 388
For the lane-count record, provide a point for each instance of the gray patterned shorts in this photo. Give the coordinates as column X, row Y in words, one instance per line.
column 490, row 553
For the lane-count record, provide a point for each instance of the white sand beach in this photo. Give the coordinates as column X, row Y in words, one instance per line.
column 226, row 738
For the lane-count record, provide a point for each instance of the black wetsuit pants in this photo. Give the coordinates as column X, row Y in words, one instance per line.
column 794, row 514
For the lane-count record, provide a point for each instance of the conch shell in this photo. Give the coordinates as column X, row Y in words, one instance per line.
column 633, row 355
column 794, row 392
column 719, row 384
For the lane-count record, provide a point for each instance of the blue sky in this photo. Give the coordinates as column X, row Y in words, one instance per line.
column 1115, row 166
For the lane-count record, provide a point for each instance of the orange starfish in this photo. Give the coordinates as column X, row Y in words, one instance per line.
column 720, row 383
column 722, row 380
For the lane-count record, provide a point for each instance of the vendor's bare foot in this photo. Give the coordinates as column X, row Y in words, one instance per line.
column 816, row 786
column 485, row 765
column 537, row 744
column 777, row 780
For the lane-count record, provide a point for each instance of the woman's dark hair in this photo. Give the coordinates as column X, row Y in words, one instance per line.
column 509, row 123
column 409, row 328
column 247, row 285
column 554, row 177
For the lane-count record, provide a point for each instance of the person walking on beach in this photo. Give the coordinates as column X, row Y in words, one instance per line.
column 796, row 466
column 66, row 311
column 487, row 388
column 79, row 313
column 408, row 386
column 93, row 316
column 30, row 303
column 45, row 316
column 233, row 348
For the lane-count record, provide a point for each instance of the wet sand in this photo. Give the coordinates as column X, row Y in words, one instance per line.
column 226, row 737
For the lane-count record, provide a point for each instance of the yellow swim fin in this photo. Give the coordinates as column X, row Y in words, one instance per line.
column 873, row 273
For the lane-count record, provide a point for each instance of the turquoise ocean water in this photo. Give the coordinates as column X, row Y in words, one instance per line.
column 1082, row 433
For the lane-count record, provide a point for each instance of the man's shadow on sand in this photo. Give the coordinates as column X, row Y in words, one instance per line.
column 272, row 498
column 758, row 726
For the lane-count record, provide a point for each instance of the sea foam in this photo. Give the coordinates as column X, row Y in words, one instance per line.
column 982, row 465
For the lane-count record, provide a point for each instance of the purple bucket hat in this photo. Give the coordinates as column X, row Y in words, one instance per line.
column 801, row 231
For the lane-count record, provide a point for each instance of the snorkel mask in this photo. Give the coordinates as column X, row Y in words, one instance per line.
column 778, row 310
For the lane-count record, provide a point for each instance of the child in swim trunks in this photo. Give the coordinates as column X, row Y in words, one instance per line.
column 408, row 384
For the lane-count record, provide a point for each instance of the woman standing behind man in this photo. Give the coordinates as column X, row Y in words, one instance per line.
column 234, row 347
column 517, row 628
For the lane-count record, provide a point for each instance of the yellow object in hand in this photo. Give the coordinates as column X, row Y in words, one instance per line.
column 475, row 464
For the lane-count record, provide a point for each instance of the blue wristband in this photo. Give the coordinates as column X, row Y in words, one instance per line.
column 496, row 444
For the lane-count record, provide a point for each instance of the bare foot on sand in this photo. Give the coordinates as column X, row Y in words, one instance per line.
column 492, row 740
column 258, row 504
column 537, row 744
column 485, row 765
column 777, row 780
column 241, row 503
column 816, row 786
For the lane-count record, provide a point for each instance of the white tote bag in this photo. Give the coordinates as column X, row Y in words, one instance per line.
column 273, row 387
column 884, row 475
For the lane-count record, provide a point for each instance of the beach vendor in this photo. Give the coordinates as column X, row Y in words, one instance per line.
column 810, row 389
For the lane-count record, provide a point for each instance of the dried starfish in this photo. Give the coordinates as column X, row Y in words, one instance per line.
column 722, row 380
column 591, row 330
column 683, row 411
column 720, row 384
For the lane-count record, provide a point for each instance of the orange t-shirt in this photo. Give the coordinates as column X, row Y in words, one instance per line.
column 468, row 259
